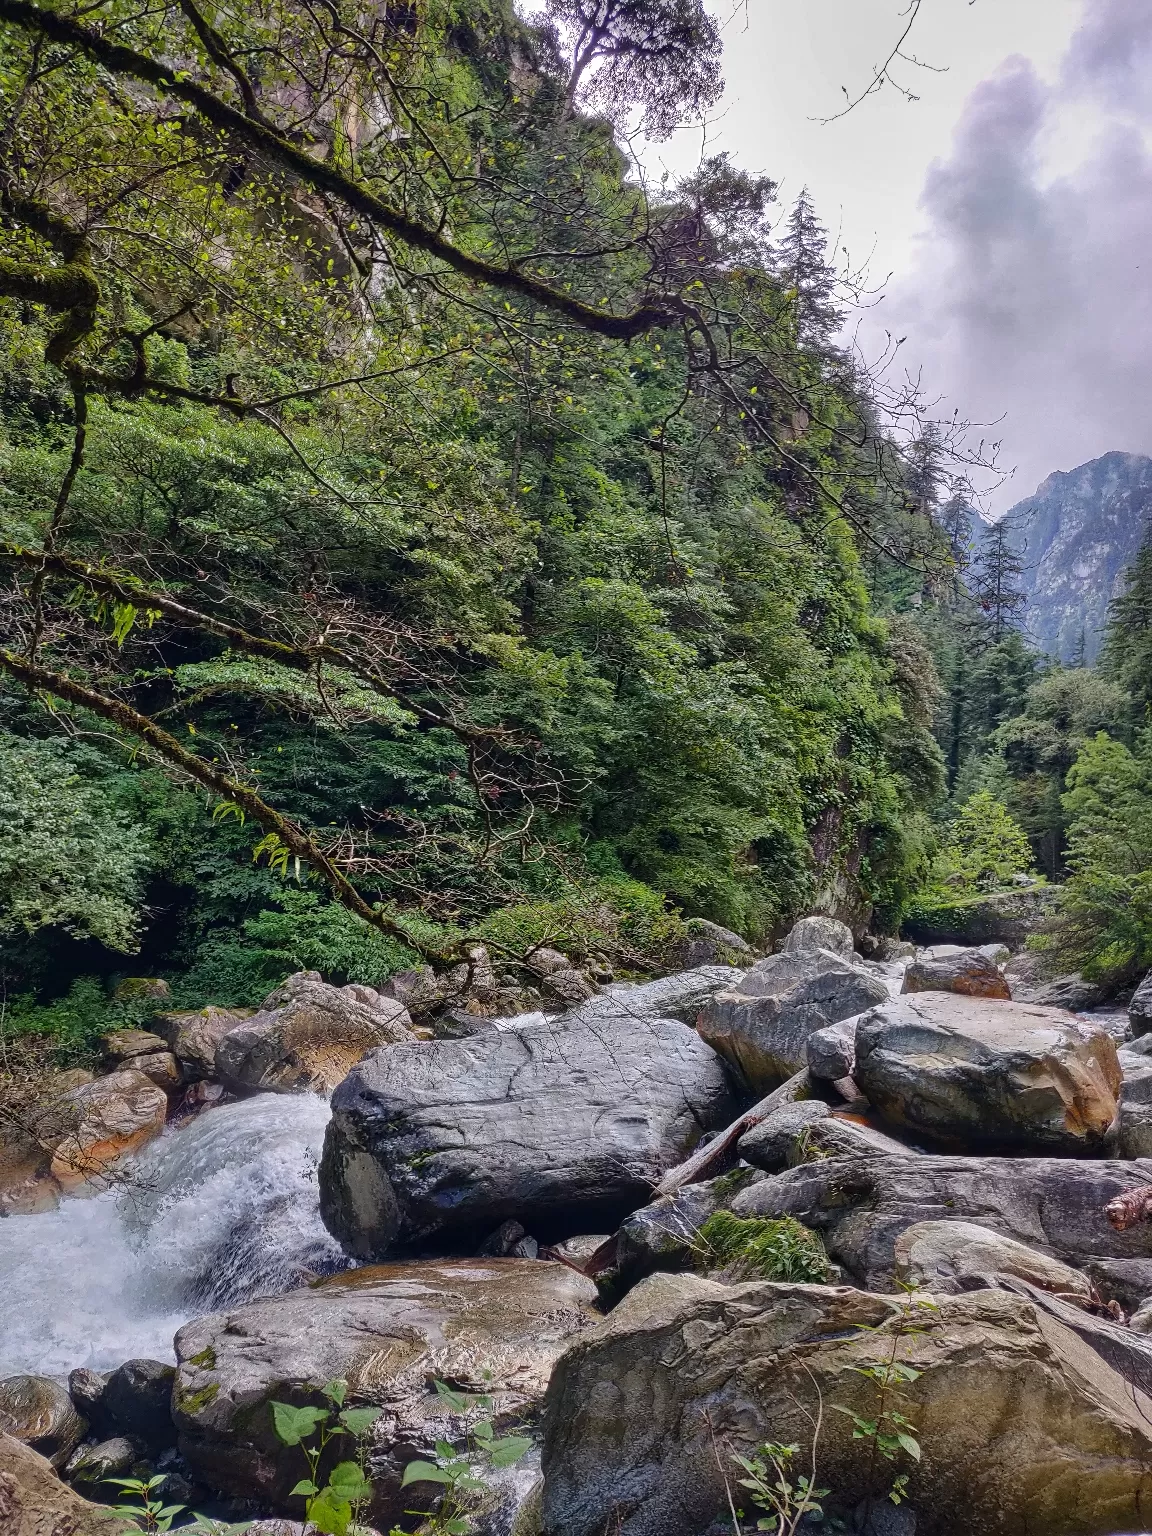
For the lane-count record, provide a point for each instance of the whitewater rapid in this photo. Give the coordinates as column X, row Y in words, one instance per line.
column 217, row 1211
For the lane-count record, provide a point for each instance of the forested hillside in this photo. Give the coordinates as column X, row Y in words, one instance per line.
column 412, row 526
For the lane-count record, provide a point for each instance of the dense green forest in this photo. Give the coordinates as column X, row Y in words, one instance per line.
column 414, row 528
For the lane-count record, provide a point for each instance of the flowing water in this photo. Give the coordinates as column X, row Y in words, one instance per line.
column 216, row 1211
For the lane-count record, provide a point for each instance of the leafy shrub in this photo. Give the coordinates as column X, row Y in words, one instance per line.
column 986, row 848
column 779, row 1249
column 622, row 919
column 70, row 1027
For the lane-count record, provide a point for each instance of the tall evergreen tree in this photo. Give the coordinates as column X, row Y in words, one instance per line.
column 806, row 271
column 1127, row 654
column 995, row 583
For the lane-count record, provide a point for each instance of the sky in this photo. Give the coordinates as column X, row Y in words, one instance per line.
column 1007, row 211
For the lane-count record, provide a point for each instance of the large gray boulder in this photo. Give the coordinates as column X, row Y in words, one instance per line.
column 770, row 1144
column 34, row 1502
column 1135, row 1133
column 1023, row 1427
column 762, row 1027
column 563, row 1127
column 812, row 933
column 861, row 1205
column 40, row 1412
column 193, row 1036
column 1140, row 1008
column 980, row 1074
column 307, row 1036
column 1072, row 992
column 492, row 1326
column 668, row 997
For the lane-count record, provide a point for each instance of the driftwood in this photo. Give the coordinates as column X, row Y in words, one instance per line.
column 1130, row 1208
column 715, row 1156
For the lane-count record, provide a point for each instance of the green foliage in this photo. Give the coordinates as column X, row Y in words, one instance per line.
column 69, row 856
column 768, row 1480
column 780, row 1249
column 1104, row 924
column 71, row 1026
column 984, row 850
column 460, row 1473
column 331, row 1506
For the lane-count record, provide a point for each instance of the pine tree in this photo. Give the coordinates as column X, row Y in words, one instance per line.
column 994, row 584
column 1127, row 652
column 804, row 268
column 956, row 521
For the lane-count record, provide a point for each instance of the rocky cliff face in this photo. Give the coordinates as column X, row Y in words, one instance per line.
column 1078, row 534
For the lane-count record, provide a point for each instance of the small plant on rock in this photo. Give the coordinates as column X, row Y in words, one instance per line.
column 334, row 1506
column 461, row 1472
column 768, row 1481
column 147, row 1513
column 757, row 1248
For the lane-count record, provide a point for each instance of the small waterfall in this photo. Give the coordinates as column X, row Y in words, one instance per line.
column 218, row 1211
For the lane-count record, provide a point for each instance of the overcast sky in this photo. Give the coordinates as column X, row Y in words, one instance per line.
column 1011, row 204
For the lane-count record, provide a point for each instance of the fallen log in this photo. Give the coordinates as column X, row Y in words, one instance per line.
column 715, row 1156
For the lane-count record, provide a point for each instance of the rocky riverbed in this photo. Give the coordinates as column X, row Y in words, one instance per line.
column 891, row 1211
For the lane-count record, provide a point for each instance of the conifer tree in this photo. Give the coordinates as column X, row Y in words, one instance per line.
column 1127, row 654
column 806, row 271
column 995, row 583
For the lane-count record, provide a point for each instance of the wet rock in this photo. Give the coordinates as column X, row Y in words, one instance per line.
column 1022, row 1426
column 86, row 1389
column 669, row 997
column 982, row 1074
column 762, row 1027
column 1135, row 1132
column 26, row 1183
column 952, row 1256
column 34, row 1502
column 94, row 1126
column 560, row 1127
column 160, row 1068
column 1140, row 1008
column 769, row 1145
column 111, row 1458
column 306, row 1037
column 137, row 1401
column 568, row 986
column 1071, row 992
column 1141, row 1319
column 39, row 1411
column 815, row 933
column 969, row 972
column 193, row 1037
column 491, row 1326
column 860, row 1205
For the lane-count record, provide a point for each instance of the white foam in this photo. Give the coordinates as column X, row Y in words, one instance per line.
column 219, row 1211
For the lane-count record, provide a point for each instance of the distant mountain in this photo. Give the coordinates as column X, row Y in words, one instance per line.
column 1077, row 535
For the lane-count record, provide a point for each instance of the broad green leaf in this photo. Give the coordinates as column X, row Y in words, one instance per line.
column 347, row 1478
column 296, row 1424
column 506, row 1452
column 303, row 1489
column 423, row 1472
column 910, row 1445
column 336, row 1390
column 360, row 1420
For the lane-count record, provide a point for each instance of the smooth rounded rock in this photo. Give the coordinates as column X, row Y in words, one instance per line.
column 813, row 933
column 102, row 1122
column 984, row 1075
column 137, row 1400
column 951, row 1256
column 969, row 972
column 39, row 1411
column 34, row 1502
column 769, row 1144
column 490, row 1326
column 193, row 1037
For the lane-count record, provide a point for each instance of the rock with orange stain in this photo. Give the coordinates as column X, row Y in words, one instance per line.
column 979, row 1074
column 969, row 972
column 95, row 1125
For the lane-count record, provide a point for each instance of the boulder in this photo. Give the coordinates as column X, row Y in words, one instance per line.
column 1071, row 992
column 137, row 1401
column 38, row 1411
column 120, row 1045
column 568, row 986
column 1140, row 1008
column 763, row 1026
column 93, row 1126
column 812, row 933
column 564, row 1128
column 709, row 944
column 668, row 997
column 142, row 989
column 91, row 1464
column 950, row 1256
column 1141, row 1319
column 492, row 1326
column 981, row 1074
column 969, row 972
column 1128, row 1282
column 34, row 1502
column 1022, row 1426
column 662, row 1235
column 831, row 1051
column 860, row 1205
column 161, row 1068
column 193, row 1037
column 86, row 1389
column 1135, row 1133
column 769, row 1145
column 307, row 1036
column 842, row 1134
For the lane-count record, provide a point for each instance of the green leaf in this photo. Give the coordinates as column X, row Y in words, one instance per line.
column 458, row 1401
column 303, row 1489
column 295, row 1424
column 330, row 1513
column 423, row 1472
column 360, row 1420
column 336, row 1391
column 506, row 1452
column 348, row 1479
column 910, row 1445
